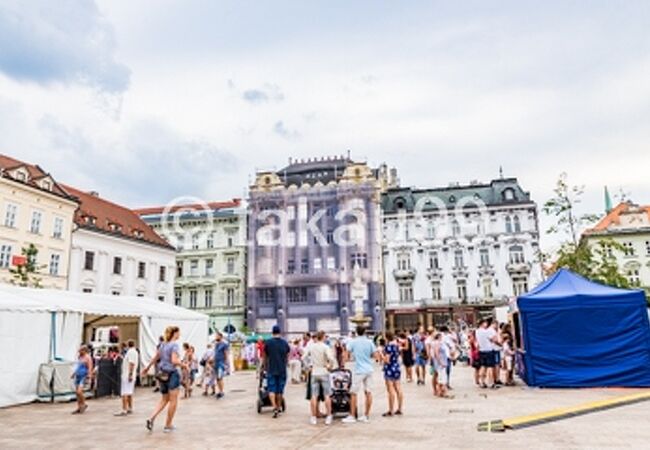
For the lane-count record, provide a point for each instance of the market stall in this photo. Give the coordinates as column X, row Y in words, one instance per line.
column 573, row 332
column 38, row 326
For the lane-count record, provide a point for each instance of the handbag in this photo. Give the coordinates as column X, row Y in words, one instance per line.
column 162, row 376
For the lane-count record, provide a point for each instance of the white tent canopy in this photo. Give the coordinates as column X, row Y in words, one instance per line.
column 37, row 325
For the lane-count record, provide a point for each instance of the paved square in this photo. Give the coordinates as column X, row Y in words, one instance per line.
column 428, row 422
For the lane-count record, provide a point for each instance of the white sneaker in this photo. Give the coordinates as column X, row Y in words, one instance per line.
column 313, row 420
column 328, row 420
column 364, row 419
column 349, row 419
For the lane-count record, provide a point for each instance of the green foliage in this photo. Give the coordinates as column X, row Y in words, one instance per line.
column 594, row 261
column 26, row 275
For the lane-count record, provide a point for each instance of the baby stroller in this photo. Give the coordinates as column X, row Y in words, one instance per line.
column 340, row 383
column 263, row 400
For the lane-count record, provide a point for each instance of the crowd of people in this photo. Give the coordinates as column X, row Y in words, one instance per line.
column 412, row 356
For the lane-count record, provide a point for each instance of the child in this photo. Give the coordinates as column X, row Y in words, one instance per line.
column 83, row 370
column 509, row 359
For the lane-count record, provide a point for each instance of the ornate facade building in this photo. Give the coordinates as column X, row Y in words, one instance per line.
column 310, row 225
column 628, row 225
column 210, row 242
column 457, row 252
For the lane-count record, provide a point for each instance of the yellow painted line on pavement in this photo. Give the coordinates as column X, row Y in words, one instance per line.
column 562, row 413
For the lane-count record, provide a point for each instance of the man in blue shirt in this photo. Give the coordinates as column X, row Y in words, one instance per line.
column 363, row 350
column 276, row 352
column 220, row 362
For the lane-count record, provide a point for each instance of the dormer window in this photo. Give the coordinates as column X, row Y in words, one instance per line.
column 509, row 194
column 20, row 175
column 138, row 233
column 47, row 185
column 90, row 220
column 115, row 227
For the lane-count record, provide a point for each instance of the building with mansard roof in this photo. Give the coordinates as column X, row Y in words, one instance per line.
column 454, row 253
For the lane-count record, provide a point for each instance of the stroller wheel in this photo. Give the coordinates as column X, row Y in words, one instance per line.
column 284, row 406
column 259, row 406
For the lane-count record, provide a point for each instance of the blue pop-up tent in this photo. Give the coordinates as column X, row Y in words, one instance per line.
column 577, row 333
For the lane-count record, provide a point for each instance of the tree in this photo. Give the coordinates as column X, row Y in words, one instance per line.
column 26, row 274
column 595, row 261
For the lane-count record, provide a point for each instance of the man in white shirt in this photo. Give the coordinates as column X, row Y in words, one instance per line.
column 320, row 358
column 129, row 371
column 486, row 338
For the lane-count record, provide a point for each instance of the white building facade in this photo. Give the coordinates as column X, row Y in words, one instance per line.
column 115, row 252
column 628, row 225
column 455, row 253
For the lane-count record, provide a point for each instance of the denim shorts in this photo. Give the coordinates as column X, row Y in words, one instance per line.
column 219, row 370
column 275, row 383
column 79, row 380
column 174, row 382
column 319, row 381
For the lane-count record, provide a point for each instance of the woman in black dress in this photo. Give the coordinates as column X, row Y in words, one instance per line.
column 406, row 348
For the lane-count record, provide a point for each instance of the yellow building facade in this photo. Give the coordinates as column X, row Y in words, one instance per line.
column 34, row 209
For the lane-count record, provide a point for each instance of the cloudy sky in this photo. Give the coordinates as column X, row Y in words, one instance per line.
column 145, row 101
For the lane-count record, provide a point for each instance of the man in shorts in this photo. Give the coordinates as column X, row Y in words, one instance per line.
column 363, row 350
column 129, row 371
column 220, row 363
column 276, row 352
column 486, row 338
column 321, row 361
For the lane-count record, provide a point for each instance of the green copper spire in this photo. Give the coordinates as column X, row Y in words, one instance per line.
column 608, row 201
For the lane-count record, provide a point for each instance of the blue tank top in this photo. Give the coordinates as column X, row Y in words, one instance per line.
column 81, row 369
column 166, row 351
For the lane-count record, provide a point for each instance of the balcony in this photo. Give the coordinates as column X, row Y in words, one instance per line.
column 434, row 273
column 486, row 270
column 404, row 274
column 518, row 267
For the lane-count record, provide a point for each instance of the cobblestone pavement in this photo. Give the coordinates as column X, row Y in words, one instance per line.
column 428, row 422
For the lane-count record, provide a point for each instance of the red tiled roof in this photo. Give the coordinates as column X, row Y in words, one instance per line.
column 35, row 172
column 614, row 216
column 234, row 203
column 100, row 214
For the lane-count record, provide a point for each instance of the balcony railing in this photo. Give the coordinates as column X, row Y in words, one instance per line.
column 404, row 273
column 518, row 267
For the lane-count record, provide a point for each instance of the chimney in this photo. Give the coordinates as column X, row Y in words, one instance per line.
column 93, row 193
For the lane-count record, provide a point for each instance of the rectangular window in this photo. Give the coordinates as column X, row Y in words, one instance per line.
column 55, row 259
column 57, row 232
column 230, row 265
column 115, row 292
column 209, row 267
column 318, row 264
column 628, row 248
column 403, row 261
column 87, row 290
column 436, row 293
column 267, row 296
column 405, row 293
column 142, row 269
column 161, row 298
column 178, row 297
column 194, row 268
column 360, row 259
column 304, row 265
column 331, row 263
column 89, row 261
column 179, row 269
column 434, row 262
column 5, row 255
column 210, row 241
column 230, row 241
column 162, row 273
column 291, row 266
column 519, row 285
column 461, row 287
column 230, row 297
column 193, row 299
column 35, row 226
column 208, row 298
column 485, row 257
column 487, row 288
column 195, row 242
column 329, row 237
column 459, row 261
column 517, row 254
column 117, row 265
column 10, row 215
column 647, row 248
column 297, row 295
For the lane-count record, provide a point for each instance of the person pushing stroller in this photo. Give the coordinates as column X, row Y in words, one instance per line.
column 322, row 361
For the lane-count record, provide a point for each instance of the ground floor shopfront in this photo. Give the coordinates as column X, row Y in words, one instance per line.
column 412, row 319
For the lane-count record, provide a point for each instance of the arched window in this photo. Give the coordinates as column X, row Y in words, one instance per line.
column 508, row 224
column 517, row 224
column 509, row 195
